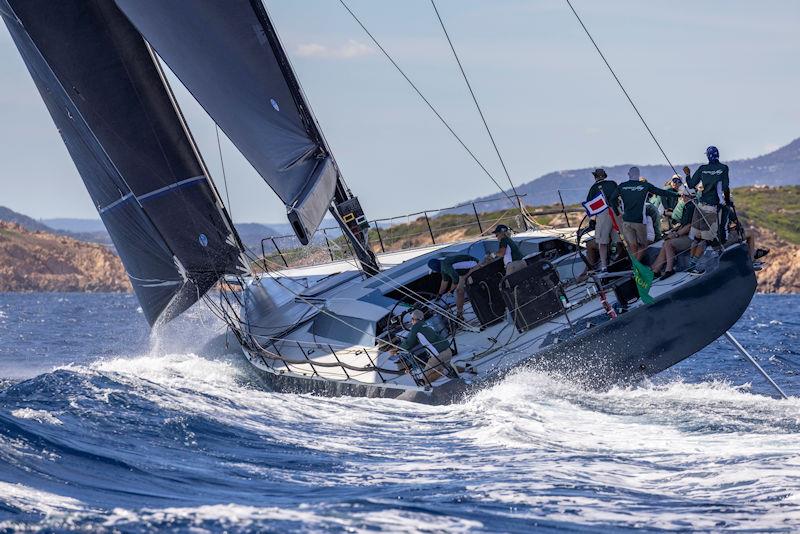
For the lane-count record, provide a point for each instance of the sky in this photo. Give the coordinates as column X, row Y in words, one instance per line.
column 702, row 72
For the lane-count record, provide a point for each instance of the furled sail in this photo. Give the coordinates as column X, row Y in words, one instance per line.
column 228, row 55
column 106, row 93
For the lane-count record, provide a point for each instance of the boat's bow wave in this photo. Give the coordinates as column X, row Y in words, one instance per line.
column 183, row 441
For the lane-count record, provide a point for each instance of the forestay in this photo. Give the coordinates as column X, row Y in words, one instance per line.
column 230, row 58
column 118, row 119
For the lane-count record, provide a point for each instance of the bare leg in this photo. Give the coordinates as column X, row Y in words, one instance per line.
column 662, row 255
column 636, row 251
column 751, row 247
column 435, row 367
column 603, row 256
column 460, row 295
column 697, row 250
column 670, row 252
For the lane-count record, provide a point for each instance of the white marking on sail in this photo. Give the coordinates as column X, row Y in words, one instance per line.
column 116, row 203
column 181, row 269
column 171, row 186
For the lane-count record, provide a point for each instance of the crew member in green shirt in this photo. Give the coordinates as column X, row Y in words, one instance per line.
column 436, row 345
column 454, row 271
column 508, row 250
column 676, row 241
column 633, row 194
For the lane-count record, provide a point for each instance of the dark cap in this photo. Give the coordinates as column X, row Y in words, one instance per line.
column 500, row 228
column 599, row 173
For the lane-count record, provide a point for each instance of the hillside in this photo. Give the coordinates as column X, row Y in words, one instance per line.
column 41, row 261
column 772, row 215
column 11, row 216
column 778, row 168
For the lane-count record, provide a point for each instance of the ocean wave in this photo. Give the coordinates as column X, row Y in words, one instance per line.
column 179, row 440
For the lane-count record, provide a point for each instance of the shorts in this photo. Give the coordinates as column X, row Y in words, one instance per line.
column 603, row 228
column 515, row 266
column 681, row 243
column 436, row 361
column 705, row 222
column 634, row 233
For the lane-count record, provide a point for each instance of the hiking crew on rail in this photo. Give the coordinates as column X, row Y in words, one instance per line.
column 713, row 183
column 603, row 226
column 705, row 198
column 633, row 195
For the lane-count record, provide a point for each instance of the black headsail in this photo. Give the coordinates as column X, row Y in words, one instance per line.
column 116, row 115
column 227, row 53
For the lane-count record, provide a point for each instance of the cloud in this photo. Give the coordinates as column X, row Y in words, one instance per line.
column 350, row 50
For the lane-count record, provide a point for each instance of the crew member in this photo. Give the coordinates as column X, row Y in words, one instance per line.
column 603, row 227
column 713, row 183
column 508, row 250
column 454, row 270
column 676, row 241
column 634, row 204
column 669, row 204
column 436, row 345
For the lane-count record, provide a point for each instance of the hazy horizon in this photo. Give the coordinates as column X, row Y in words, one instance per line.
column 701, row 72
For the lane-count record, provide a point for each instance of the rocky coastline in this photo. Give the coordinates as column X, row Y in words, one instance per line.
column 45, row 262
column 40, row 261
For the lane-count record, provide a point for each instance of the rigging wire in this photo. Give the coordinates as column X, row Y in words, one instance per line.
column 475, row 99
column 424, row 99
column 224, row 176
column 625, row 92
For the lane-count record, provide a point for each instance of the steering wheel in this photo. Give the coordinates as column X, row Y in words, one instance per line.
column 436, row 301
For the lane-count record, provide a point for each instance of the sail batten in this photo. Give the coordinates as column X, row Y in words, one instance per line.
column 228, row 55
column 131, row 147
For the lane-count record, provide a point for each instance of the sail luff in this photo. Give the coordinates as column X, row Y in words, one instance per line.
column 227, row 219
column 130, row 144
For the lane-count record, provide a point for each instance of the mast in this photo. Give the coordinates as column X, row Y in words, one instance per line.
column 345, row 208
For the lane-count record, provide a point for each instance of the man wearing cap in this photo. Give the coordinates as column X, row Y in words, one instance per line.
column 508, row 250
column 633, row 194
column 676, row 241
column 436, row 345
column 713, row 182
column 669, row 203
column 454, row 270
column 603, row 227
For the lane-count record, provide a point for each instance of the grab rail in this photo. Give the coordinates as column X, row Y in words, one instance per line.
column 329, row 249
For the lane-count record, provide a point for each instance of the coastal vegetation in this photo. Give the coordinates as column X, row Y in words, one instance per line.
column 43, row 261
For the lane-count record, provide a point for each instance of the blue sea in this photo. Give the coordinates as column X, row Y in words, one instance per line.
column 105, row 426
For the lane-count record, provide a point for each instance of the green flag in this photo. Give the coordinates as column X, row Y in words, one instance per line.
column 644, row 279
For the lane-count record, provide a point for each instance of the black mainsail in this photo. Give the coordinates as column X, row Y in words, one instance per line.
column 229, row 57
column 107, row 96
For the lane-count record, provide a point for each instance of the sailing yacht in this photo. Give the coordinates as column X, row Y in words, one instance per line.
column 326, row 328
